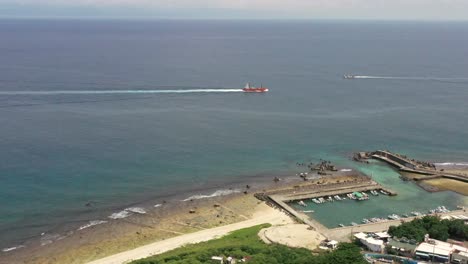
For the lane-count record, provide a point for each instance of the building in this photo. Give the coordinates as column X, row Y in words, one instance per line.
column 459, row 257
column 435, row 250
column 373, row 244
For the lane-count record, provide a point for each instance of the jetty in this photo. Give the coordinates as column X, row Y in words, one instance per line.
column 404, row 164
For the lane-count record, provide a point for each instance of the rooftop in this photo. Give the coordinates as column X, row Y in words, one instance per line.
column 439, row 247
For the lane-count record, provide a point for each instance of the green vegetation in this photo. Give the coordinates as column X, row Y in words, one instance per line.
column 432, row 225
column 245, row 242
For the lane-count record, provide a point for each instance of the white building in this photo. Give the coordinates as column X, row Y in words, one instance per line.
column 374, row 245
column 436, row 250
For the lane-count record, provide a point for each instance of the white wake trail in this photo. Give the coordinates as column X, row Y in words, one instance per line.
column 412, row 78
column 93, row 92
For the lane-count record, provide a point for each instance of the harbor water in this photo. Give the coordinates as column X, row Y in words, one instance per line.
column 409, row 198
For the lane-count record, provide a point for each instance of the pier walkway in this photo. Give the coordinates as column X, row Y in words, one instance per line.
column 407, row 165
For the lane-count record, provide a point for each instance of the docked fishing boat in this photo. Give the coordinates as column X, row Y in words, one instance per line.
column 376, row 219
column 354, row 224
column 416, row 213
column 301, row 203
column 308, row 211
column 365, row 221
column 383, row 192
column 394, row 217
column 341, row 225
column 439, row 209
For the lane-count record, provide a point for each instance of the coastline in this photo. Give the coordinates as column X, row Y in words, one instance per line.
column 262, row 214
column 154, row 222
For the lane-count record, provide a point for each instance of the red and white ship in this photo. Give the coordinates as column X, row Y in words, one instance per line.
column 252, row 89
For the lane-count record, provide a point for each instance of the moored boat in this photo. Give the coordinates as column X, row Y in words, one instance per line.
column 301, row 203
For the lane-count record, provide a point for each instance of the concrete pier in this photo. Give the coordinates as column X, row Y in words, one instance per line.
column 407, row 165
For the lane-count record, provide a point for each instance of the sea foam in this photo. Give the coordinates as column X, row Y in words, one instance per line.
column 92, row 223
column 215, row 194
column 137, row 210
column 451, row 164
column 127, row 212
column 12, row 248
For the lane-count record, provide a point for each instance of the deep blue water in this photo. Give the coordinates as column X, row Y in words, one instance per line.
column 60, row 151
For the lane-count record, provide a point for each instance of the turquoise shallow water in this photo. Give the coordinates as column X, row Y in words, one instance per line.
column 61, row 151
column 410, row 198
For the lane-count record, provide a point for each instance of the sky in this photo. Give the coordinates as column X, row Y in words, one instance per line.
column 239, row 9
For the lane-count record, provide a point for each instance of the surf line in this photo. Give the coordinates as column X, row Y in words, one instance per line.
column 93, row 92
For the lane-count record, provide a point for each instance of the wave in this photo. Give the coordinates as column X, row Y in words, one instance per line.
column 92, row 223
column 412, row 78
column 451, row 164
column 13, row 248
column 50, row 238
column 215, row 194
column 94, row 92
column 120, row 215
column 137, row 210
column 127, row 212
column 157, row 205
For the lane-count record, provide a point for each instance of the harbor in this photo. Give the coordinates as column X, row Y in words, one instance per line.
column 340, row 207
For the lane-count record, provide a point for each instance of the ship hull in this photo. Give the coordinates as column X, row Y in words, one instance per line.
column 255, row 90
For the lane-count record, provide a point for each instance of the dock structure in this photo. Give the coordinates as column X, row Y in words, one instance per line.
column 280, row 198
column 406, row 165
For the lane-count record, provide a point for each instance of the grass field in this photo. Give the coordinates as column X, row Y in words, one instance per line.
column 246, row 243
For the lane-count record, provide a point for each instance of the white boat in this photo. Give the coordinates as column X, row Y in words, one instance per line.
column 394, row 217
column 301, row 203
column 416, row 213
column 308, row 211
column 341, row 225
column 353, row 224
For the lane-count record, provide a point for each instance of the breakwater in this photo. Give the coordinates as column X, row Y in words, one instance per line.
column 427, row 170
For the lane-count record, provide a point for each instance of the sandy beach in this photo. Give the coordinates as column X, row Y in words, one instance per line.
column 191, row 220
column 263, row 214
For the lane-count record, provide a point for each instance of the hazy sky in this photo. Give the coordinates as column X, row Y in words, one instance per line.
column 319, row 9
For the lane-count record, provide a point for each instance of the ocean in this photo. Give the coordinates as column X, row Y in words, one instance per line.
column 69, row 135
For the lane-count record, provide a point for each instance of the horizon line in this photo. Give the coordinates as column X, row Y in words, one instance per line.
column 148, row 18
